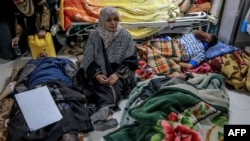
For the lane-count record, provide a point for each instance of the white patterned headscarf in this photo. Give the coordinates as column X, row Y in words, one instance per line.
column 106, row 35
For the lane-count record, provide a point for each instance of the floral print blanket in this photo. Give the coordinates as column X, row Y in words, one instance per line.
column 181, row 112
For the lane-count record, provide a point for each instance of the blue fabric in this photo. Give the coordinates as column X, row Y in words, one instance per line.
column 244, row 26
column 49, row 68
column 205, row 44
column 193, row 63
column 219, row 49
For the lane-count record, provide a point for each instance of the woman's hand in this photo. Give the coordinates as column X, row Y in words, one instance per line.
column 102, row 79
column 41, row 33
column 112, row 79
column 15, row 41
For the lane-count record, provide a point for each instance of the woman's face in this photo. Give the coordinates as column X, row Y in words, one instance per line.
column 18, row 1
column 111, row 23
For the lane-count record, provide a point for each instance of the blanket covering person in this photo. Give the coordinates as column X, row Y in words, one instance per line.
column 58, row 74
column 195, row 110
column 130, row 11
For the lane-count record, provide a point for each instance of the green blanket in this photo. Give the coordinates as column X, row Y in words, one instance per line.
column 180, row 112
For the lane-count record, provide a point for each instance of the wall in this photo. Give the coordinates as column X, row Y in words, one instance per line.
column 242, row 39
column 233, row 14
column 228, row 20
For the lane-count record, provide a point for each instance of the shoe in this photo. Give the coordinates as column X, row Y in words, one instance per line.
column 103, row 125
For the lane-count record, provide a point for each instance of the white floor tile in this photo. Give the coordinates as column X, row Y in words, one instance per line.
column 239, row 117
column 239, row 100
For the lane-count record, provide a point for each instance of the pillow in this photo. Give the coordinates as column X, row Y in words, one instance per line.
column 219, row 49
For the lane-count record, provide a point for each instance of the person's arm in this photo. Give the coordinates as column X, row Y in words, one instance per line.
column 45, row 17
column 18, row 29
column 18, row 25
column 45, row 20
column 185, row 65
column 194, row 62
column 91, row 68
column 131, row 61
column 185, row 5
column 7, row 90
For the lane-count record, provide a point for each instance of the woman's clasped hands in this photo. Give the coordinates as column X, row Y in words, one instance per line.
column 102, row 79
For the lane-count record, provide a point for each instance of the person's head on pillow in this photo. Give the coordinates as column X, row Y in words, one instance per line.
column 207, row 38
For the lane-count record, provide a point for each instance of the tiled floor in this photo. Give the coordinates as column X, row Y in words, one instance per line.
column 239, row 112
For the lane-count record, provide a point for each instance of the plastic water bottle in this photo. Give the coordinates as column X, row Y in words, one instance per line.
column 245, row 22
column 54, row 29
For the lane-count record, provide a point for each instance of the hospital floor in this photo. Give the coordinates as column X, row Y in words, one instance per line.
column 239, row 102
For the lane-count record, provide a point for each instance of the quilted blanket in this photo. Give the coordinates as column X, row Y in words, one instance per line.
column 187, row 112
column 129, row 10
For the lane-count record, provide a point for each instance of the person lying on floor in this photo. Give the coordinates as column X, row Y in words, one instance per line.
column 109, row 62
column 193, row 47
column 58, row 74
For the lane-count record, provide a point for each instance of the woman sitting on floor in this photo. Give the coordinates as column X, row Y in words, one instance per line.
column 109, row 61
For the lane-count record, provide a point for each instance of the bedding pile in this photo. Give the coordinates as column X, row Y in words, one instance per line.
column 173, row 109
column 162, row 57
column 59, row 75
column 159, row 107
column 129, row 10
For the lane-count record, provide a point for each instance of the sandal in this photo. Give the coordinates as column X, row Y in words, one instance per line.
column 103, row 125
